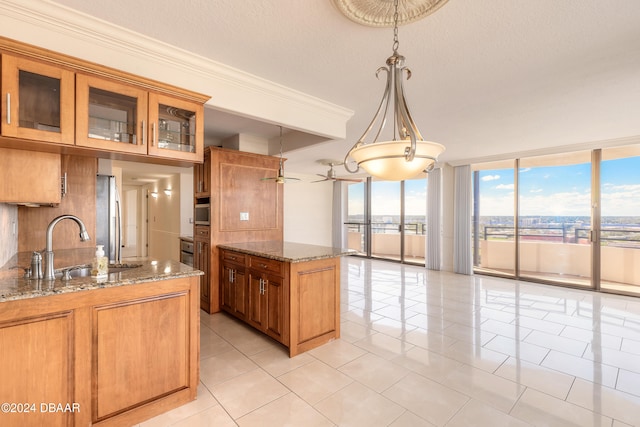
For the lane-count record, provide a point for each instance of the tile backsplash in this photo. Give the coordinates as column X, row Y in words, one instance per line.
column 8, row 232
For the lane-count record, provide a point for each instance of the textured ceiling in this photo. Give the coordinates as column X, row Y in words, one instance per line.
column 489, row 77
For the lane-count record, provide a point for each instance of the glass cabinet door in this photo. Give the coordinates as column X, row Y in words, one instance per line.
column 37, row 101
column 110, row 116
column 177, row 128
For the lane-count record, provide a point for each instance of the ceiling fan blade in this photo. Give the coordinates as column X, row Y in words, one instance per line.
column 321, row 180
column 348, row 180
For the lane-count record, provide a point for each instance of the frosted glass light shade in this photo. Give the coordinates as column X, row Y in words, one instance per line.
column 386, row 160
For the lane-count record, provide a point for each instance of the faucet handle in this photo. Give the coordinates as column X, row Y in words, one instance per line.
column 66, row 274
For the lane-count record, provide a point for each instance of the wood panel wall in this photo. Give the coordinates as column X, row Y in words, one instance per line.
column 237, row 186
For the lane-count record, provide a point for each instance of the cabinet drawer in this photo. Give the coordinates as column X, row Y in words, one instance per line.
column 235, row 257
column 201, row 231
column 267, row 265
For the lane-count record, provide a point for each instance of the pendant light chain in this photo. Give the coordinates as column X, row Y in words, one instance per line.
column 396, row 43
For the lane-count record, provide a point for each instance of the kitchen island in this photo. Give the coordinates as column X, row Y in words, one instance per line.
column 106, row 352
column 289, row 291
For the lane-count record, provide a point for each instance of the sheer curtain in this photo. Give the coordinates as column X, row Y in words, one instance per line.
column 434, row 220
column 462, row 256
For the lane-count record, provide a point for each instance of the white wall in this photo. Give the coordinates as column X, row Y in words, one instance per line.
column 308, row 211
column 8, row 232
column 164, row 220
column 186, row 203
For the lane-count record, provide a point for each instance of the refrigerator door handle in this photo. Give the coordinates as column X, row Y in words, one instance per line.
column 119, row 228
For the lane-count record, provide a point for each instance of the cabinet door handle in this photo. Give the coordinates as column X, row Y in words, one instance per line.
column 153, row 134
column 8, row 108
column 142, row 133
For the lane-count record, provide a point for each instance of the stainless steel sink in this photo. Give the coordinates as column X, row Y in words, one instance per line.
column 68, row 273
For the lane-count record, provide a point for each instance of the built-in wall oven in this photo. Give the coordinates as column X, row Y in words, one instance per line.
column 202, row 214
column 186, row 252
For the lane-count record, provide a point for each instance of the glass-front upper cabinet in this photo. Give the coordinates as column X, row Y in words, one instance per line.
column 176, row 128
column 110, row 116
column 37, row 101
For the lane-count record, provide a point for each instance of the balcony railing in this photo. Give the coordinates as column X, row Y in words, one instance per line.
column 385, row 239
column 613, row 236
column 562, row 251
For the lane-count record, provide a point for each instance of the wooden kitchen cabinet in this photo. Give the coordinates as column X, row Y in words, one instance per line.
column 110, row 116
column 234, row 186
column 293, row 293
column 39, row 369
column 176, row 128
column 124, row 334
column 266, row 310
column 202, row 177
column 31, row 178
column 118, row 117
column 117, row 356
column 234, row 290
column 56, row 103
column 202, row 261
column 253, row 289
column 37, row 101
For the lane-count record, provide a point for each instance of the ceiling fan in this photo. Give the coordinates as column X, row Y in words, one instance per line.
column 280, row 178
column 331, row 173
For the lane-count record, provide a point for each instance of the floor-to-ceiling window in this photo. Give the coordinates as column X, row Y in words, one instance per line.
column 554, row 218
column 414, row 220
column 493, row 218
column 386, row 219
column 575, row 222
column 357, row 222
column 620, row 223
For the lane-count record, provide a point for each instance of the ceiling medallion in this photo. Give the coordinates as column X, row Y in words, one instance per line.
column 379, row 13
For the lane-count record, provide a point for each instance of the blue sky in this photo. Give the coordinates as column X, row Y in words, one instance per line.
column 386, row 197
column 544, row 191
column 563, row 190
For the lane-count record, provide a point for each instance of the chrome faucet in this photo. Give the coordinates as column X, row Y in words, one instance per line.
column 49, row 273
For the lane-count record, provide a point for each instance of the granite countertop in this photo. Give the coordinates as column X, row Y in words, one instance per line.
column 13, row 285
column 287, row 251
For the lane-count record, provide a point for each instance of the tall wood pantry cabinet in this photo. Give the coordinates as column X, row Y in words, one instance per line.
column 243, row 207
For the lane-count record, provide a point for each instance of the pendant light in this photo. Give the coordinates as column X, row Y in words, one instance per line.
column 408, row 154
column 280, row 178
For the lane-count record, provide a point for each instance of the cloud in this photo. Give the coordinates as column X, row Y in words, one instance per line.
column 505, row 187
column 536, row 190
column 490, row 177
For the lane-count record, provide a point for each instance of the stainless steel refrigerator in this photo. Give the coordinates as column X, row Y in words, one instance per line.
column 108, row 217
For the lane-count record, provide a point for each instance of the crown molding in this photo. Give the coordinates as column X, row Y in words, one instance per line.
column 60, row 29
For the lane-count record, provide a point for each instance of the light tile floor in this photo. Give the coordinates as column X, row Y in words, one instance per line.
column 425, row 348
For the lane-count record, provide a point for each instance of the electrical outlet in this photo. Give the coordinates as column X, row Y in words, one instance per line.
column 244, row 216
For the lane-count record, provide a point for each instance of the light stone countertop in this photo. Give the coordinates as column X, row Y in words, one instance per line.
column 286, row 251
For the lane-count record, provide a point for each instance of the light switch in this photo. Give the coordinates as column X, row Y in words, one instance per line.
column 244, row 216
